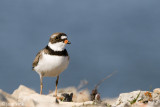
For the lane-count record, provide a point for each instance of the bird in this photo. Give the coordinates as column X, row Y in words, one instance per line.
column 52, row 60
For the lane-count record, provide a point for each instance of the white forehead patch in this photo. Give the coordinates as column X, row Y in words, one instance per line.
column 53, row 36
column 63, row 37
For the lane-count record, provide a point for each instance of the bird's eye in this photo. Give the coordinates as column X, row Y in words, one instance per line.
column 57, row 38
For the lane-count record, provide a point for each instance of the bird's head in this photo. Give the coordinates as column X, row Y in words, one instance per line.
column 58, row 41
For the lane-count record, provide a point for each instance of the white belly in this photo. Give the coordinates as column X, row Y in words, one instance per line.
column 51, row 65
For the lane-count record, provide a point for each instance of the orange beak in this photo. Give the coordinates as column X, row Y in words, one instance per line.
column 67, row 42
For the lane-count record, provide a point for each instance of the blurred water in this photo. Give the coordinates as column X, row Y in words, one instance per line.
column 106, row 36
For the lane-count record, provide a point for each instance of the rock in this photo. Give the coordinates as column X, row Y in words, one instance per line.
column 26, row 97
column 139, row 99
column 8, row 100
column 82, row 96
column 30, row 103
column 22, row 90
column 30, row 98
column 110, row 101
column 156, row 96
column 126, row 99
column 156, row 91
column 78, row 96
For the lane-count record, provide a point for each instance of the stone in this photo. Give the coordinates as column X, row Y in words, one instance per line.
column 30, row 98
column 81, row 96
column 156, row 91
column 78, row 96
column 145, row 98
column 26, row 97
column 8, row 100
column 125, row 99
column 22, row 90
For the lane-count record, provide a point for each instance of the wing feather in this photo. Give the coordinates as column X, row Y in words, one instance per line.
column 36, row 60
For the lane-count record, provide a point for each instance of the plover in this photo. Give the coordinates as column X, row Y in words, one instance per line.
column 53, row 59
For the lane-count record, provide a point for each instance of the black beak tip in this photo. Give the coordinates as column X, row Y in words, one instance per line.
column 69, row 42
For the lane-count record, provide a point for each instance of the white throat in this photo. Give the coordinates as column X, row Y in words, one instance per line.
column 59, row 46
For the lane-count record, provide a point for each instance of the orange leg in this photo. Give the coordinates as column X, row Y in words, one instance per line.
column 41, row 84
column 56, row 85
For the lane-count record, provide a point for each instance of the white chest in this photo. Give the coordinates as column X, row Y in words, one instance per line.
column 51, row 65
